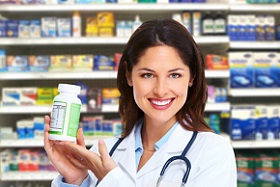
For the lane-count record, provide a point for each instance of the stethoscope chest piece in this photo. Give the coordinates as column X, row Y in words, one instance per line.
column 179, row 157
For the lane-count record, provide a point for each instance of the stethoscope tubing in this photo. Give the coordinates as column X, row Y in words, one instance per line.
column 169, row 161
column 180, row 157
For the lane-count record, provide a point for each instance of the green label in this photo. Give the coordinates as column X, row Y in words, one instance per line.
column 74, row 117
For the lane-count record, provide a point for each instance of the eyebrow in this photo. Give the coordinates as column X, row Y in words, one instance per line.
column 172, row 70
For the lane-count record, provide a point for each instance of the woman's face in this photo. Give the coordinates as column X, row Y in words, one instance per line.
column 160, row 83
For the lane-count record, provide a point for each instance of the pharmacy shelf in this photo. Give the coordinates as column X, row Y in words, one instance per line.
column 84, row 75
column 214, row 74
column 35, row 143
column 252, row 144
column 89, row 141
column 58, row 75
column 95, row 41
column 28, row 176
column 256, row 144
column 255, row 92
column 244, row 7
column 47, row 109
column 129, row 7
column 107, row 108
column 212, row 107
column 254, row 45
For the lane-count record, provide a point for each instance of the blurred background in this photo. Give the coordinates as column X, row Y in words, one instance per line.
column 47, row 42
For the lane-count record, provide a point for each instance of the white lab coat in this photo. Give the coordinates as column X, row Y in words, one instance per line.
column 211, row 157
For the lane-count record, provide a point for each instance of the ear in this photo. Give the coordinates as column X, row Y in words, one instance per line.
column 191, row 82
column 128, row 76
column 128, row 79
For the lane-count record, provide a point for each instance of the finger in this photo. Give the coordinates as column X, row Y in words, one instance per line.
column 47, row 144
column 76, row 150
column 80, row 138
column 105, row 157
column 78, row 162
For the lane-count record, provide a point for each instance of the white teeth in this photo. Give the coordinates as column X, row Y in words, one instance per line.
column 161, row 103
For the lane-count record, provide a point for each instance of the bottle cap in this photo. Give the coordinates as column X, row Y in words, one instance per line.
column 69, row 88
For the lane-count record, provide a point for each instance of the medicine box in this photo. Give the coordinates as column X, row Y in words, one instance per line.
column 61, row 62
column 23, row 28
column 45, row 96
column 39, row 63
column 11, row 96
column 35, row 29
column 3, row 28
column 264, row 63
column 17, row 63
column 64, row 27
column 241, row 69
column 261, row 122
column 243, row 126
column 28, row 96
column 273, row 123
column 12, row 28
column 82, row 62
column 48, row 27
column 102, row 62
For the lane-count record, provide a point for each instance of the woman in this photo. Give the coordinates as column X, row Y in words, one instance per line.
column 163, row 95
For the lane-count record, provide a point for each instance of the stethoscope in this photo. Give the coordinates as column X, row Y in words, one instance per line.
column 169, row 161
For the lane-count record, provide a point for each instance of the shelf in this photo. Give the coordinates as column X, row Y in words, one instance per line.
column 85, row 75
column 106, row 108
column 94, row 40
column 28, row 176
column 254, row 45
column 30, row 109
column 47, row 109
column 254, row 144
column 32, row 143
column 58, row 75
column 130, row 7
column 64, row 41
column 217, row 73
column 244, row 7
column 212, row 107
column 255, row 92
column 89, row 141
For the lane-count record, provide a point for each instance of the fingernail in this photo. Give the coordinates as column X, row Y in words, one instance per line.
column 100, row 142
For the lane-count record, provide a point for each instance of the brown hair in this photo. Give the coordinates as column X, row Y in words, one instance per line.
column 171, row 33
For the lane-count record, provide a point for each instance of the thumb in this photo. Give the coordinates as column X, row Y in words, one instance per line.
column 107, row 161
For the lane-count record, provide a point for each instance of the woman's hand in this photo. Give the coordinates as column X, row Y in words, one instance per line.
column 71, row 168
column 100, row 165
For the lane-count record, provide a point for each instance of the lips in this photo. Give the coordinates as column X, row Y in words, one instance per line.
column 161, row 104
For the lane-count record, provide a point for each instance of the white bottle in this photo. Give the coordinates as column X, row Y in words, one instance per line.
column 76, row 25
column 65, row 113
column 137, row 22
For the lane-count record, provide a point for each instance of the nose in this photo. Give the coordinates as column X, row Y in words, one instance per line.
column 160, row 87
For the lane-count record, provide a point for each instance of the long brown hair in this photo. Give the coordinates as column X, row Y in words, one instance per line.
column 171, row 33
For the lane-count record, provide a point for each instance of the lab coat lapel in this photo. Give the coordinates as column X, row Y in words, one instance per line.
column 126, row 152
column 174, row 146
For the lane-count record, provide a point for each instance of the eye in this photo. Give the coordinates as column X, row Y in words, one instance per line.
column 174, row 75
column 147, row 75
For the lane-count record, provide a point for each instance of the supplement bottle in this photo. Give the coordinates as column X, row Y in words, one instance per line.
column 65, row 113
column 76, row 25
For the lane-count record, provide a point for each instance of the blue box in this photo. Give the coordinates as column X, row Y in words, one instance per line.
column 243, row 126
column 3, row 28
column 241, row 69
column 12, row 28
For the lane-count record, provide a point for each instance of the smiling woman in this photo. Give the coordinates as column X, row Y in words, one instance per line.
column 166, row 141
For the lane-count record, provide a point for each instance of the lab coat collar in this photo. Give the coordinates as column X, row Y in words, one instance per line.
column 127, row 151
column 174, row 146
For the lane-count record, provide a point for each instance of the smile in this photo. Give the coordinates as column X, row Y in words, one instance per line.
column 161, row 104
